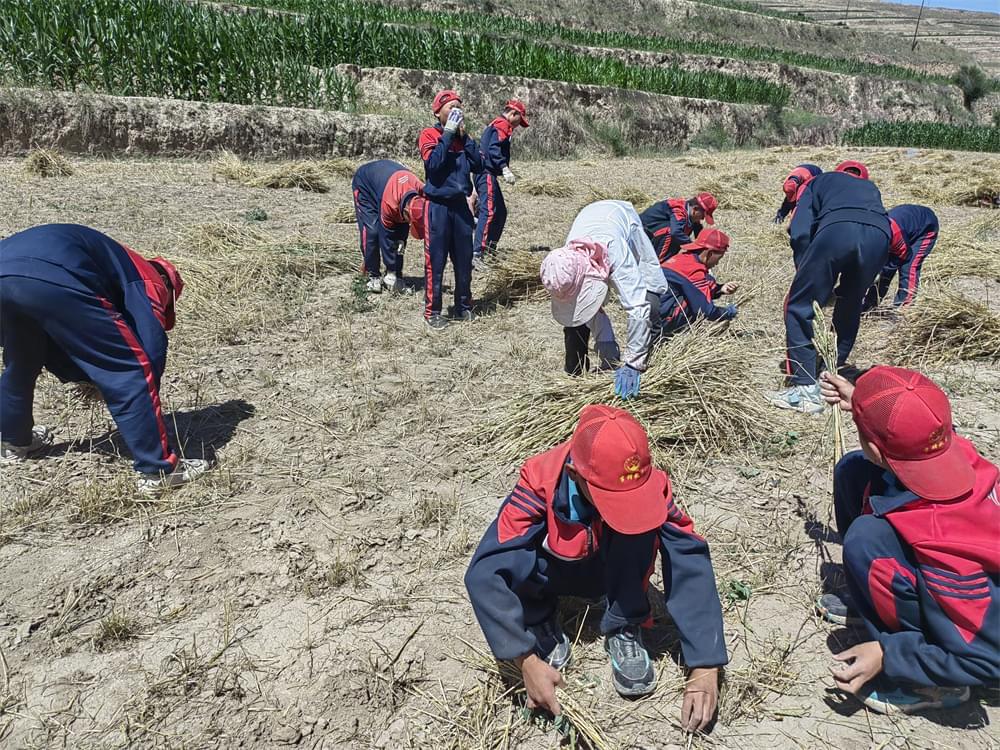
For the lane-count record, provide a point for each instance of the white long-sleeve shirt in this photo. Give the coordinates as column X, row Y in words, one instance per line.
column 635, row 270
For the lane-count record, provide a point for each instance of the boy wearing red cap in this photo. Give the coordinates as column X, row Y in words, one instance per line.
column 853, row 168
column 672, row 222
column 792, row 187
column 388, row 205
column 495, row 147
column 914, row 233
column 450, row 157
column 587, row 518
column 918, row 510
column 90, row 310
column 692, row 287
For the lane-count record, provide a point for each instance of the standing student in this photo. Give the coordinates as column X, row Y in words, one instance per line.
column 388, row 205
column 450, row 157
column 673, row 222
column 495, row 147
column 914, row 232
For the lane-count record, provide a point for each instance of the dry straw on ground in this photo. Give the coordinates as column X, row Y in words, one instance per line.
column 939, row 181
column 967, row 249
column 942, row 326
column 305, row 175
column 44, row 162
column 342, row 213
column 629, row 193
column 737, row 192
column 514, row 275
column 695, row 395
column 552, row 188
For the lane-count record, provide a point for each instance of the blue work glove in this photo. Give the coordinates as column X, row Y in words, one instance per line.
column 455, row 118
column 626, row 382
column 731, row 312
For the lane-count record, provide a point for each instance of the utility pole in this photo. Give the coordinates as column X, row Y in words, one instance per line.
column 917, row 27
column 847, row 11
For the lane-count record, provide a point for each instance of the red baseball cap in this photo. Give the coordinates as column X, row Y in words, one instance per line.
column 518, row 106
column 418, row 206
column 709, row 239
column 610, row 451
column 909, row 419
column 443, row 97
column 707, row 201
column 861, row 168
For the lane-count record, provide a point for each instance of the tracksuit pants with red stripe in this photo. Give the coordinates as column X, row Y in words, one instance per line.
column 39, row 316
column 368, row 217
column 447, row 234
column 909, row 275
column 492, row 213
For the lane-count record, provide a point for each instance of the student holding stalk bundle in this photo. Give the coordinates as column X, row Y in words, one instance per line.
column 587, row 518
column 606, row 244
column 918, row 510
column 450, row 157
column 495, row 147
column 388, row 204
column 692, row 290
column 914, row 232
column 89, row 310
column 673, row 222
column 840, row 238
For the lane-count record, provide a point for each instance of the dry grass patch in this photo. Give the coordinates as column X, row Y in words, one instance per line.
column 628, row 193
column 342, row 213
column 44, row 162
column 944, row 326
column 552, row 188
column 514, row 275
column 968, row 249
column 304, row 174
column 736, row 192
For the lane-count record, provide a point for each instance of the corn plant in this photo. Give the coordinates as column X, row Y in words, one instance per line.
column 925, row 135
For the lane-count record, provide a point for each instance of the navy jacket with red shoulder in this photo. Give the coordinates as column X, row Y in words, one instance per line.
column 692, row 292
column 85, row 260
column 956, row 548
column 534, row 521
column 449, row 162
column 667, row 221
column 912, row 223
column 793, row 184
column 495, row 146
column 389, row 185
column 834, row 197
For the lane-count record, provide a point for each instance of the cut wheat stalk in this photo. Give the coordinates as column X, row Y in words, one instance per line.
column 945, row 326
column 825, row 341
column 514, row 275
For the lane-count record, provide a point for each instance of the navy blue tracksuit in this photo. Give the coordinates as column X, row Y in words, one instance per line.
column 914, row 233
column 495, row 149
column 840, row 231
column 372, row 189
column 691, row 294
column 449, row 162
column 72, row 300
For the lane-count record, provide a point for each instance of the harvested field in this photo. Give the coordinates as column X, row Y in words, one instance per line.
column 309, row 591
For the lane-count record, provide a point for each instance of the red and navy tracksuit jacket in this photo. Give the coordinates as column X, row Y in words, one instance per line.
column 86, row 305
column 839, row 237
column 449, row 161
column 495, row 149
column 381, row 191
column 692, row 291
column 792, row 186
column 925, row 574
column 534, row 551
column 914, row 232
column 668, row 225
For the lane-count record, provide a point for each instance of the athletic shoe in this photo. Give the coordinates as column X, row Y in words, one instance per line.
column 911, row 700
column 552, row 645
column 436, row 322
column 479, row 263
column 838, row 608
column 374, row 285
column 188, row 470
column 41, row 438
column 394, row 283
column 466, row 317
column 631, row 668
column 803, row 398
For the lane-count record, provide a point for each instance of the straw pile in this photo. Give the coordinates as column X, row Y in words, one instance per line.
column 552, row 188
column 43, row 162
column 967, row 250
column 513, row 275
column 943, row 326
column 629, row 193
column 737, row 192
column 939, row 181
column 694, row 396
column 342, row 213
column 305, row 175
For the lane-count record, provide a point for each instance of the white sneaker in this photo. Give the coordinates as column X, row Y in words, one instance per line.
column 374, row 285
column 41, row 437
column 393, row 283
column 188, row 470
column 803, row 398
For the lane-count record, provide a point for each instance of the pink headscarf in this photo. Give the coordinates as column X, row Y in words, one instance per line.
column 565, row 269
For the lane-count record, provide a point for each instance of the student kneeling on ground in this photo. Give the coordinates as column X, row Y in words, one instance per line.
column 918, row 509
column 90, row 310
column 692, row 287
column 587, row 518
column 606, row 244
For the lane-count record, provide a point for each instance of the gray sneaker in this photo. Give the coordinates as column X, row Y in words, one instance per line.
column 552, row 644
column 907, row 700
column 631, row 668
column 467, row 316
column 41, row 438
column 803, row 398
column 188, row 470
column 437, row 322
column 839, row 609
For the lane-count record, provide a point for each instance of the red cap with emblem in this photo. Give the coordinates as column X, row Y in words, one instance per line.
column 909, row 419
column 610, row 452
column 709, row 239
column 518, row 106
column 443, row 97
column 708, row 203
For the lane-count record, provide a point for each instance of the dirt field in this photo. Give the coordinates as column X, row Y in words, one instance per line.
column 310, row 590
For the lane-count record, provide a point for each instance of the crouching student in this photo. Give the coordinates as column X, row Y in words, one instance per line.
column 692, row 289
column 918, row 510
column 673, row 222
column 793, row 187
column 606, row 244
column 587, row 518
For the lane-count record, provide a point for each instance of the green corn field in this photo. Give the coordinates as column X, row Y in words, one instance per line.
column 925, row 135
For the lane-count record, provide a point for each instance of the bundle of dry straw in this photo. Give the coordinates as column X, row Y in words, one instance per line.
column 629, row 193
column 552, row 188
column 967, row 250
column 305, row 175
column 514, row 275
column 46, row 163
column 736, row 192
column 342, row 213
column 696, row 394
column 942, row 326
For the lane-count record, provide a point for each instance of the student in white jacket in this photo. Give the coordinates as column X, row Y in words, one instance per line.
column 606, row 244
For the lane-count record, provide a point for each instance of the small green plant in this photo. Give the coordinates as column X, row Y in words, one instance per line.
column 114, row 630
column 256, row 214
column 973, row 82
